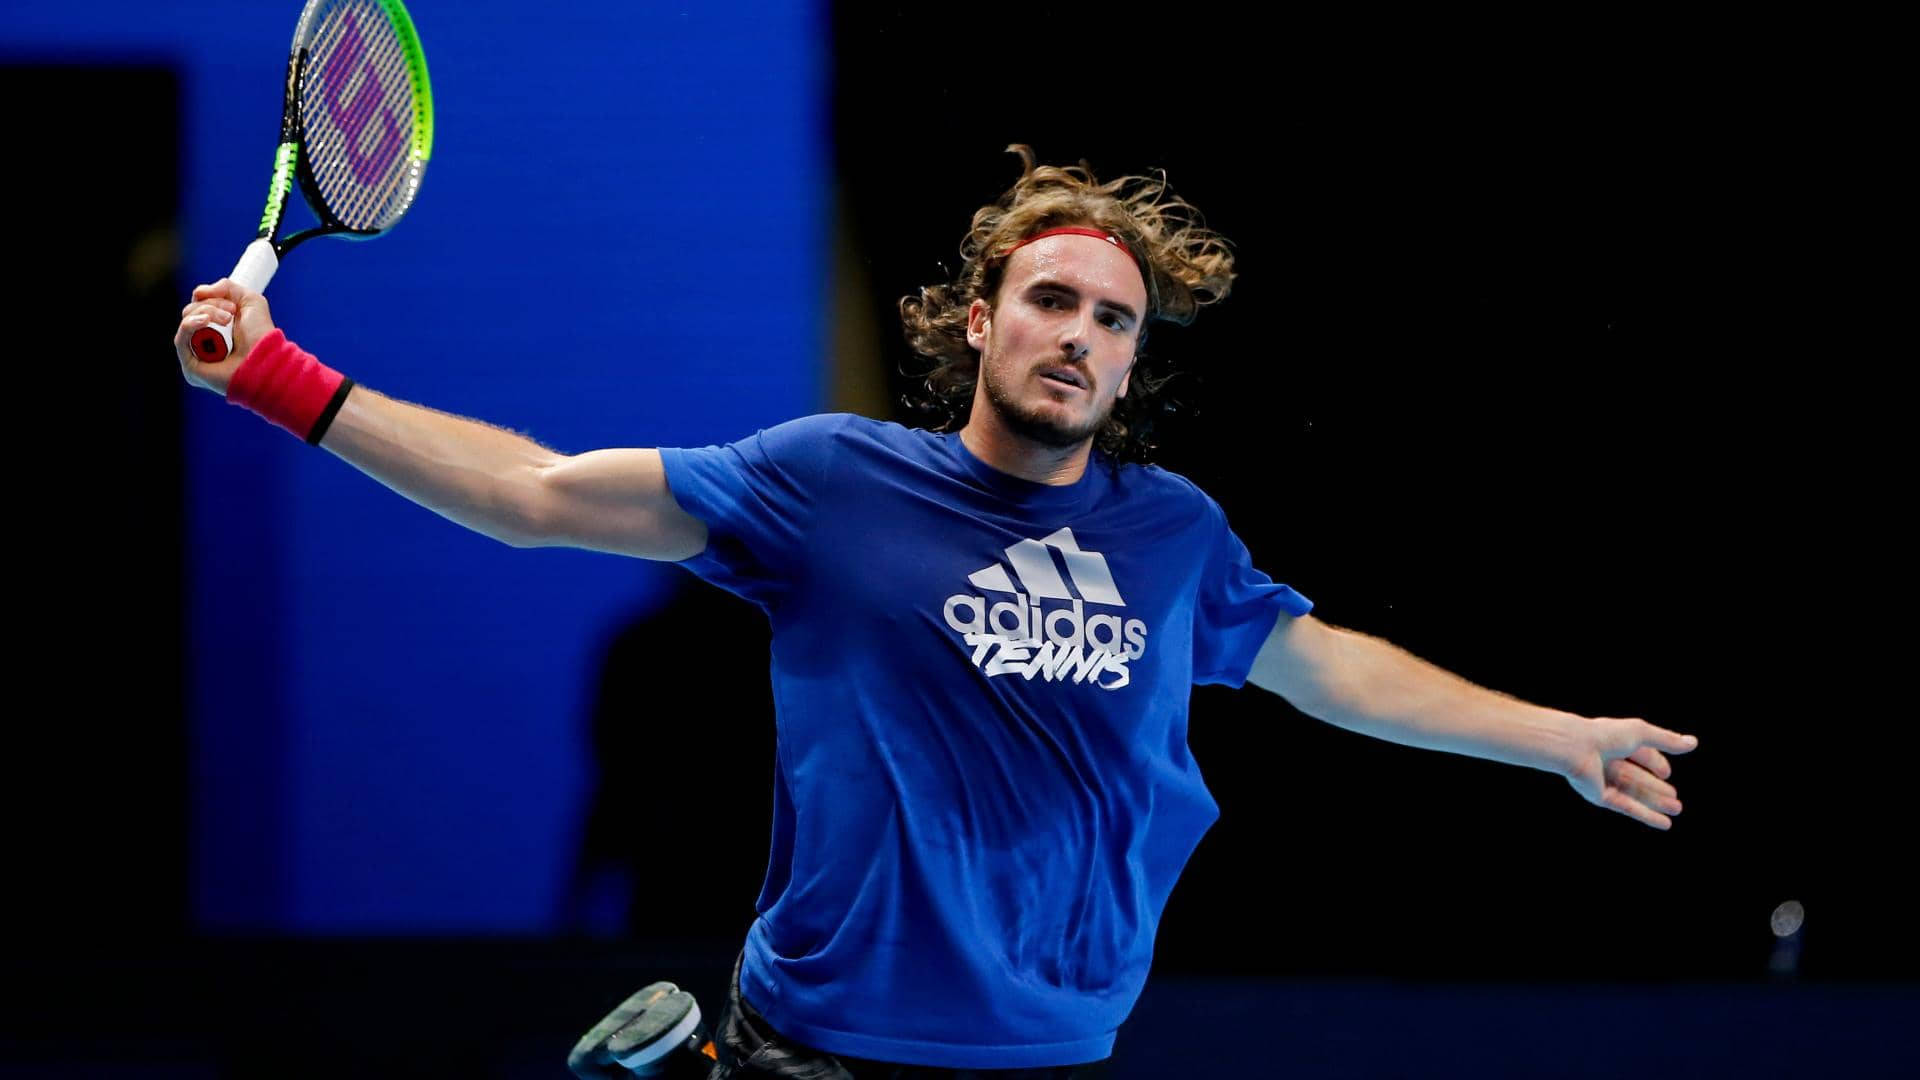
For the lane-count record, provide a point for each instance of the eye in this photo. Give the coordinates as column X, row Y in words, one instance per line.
column 1048, row 301
column 1113, row 322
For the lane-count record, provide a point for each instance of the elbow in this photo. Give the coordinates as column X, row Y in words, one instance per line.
column 1316, row 701
column 528, row 528
column 504, row 528
column 524, row 515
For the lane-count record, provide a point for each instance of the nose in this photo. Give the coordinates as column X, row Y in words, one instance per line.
column 1076, row 338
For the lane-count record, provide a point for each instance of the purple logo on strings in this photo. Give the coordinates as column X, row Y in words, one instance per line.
column 353, row 115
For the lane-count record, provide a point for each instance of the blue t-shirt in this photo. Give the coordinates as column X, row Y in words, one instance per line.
column 983, row 791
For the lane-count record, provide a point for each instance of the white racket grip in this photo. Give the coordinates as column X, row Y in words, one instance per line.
column 253, row 271
column 256, row 266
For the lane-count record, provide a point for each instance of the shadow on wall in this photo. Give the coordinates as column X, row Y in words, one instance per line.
column 679, row 818
column 680, row 815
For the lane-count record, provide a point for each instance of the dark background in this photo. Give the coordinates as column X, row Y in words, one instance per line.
column 1573, row 373
column 1555, row 368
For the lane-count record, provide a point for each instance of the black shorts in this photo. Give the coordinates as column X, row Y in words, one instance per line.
column 749, row 1049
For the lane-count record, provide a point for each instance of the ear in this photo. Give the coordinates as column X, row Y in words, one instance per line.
column 1127, row 379
column 979, row 317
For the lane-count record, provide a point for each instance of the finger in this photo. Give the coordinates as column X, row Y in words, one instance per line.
column 1671, row 741
column 1616, row 800
column 200, row 315
column 1643, row 787
column 1631, row 776
column 1653, row 761
column 195, row 321
column 225, row 288
column 191, row 325
column 183, row 337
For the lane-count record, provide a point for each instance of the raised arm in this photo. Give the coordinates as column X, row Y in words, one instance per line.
column 493, row 481
column 1370, row 686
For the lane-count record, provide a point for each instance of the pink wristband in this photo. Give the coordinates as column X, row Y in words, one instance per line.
column 289, row 387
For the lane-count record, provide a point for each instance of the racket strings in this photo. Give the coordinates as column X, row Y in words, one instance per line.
column 359, row 116
column 347, row 61
column 360, row 154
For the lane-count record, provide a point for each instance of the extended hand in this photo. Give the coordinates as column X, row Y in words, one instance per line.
column 1618, row 764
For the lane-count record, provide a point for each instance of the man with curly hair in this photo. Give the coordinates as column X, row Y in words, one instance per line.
column 984, row 639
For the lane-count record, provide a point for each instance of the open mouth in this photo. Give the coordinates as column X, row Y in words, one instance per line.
column 1065, row 376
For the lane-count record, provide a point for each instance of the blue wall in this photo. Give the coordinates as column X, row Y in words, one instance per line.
column 620, row 241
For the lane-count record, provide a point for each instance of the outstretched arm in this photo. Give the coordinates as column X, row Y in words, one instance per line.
column 493, row 481
column 1373, row 687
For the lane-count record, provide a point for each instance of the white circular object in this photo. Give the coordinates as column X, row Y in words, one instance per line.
column 1787, row 918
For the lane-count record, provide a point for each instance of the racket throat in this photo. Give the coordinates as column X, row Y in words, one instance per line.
column 286, row 160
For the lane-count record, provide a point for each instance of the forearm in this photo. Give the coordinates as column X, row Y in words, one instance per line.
column 1375, row 688
column 493, row 481
column 469, row 472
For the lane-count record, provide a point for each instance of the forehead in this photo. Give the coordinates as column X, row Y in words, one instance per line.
column 1090, row 265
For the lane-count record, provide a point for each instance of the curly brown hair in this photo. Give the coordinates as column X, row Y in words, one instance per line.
column 1186, row 266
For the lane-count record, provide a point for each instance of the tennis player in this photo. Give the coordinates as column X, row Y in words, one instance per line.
column 984, row 639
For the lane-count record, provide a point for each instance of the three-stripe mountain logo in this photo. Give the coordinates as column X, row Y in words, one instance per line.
column 1035, row 622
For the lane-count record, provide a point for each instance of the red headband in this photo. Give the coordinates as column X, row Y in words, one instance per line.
column 1076, row 231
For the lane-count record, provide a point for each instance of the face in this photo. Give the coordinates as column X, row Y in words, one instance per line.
column 1057, row 345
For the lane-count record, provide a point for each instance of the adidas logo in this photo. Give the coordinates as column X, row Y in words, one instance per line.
column 1020, row 635
column 1032, row 563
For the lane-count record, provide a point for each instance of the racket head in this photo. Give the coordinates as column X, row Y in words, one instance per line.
column 356, row 130
column 360, row 114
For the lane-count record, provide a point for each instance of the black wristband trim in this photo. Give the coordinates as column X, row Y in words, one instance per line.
column 327, row 414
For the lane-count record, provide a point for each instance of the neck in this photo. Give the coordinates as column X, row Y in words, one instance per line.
column 1013, row 454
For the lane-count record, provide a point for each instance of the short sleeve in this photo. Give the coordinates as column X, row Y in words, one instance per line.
column 758, row 498
column 1236, row 609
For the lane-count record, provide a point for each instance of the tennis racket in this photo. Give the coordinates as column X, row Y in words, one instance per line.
column 355, row 132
